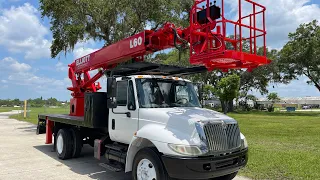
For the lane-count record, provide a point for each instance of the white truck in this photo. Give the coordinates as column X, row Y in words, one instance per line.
column 155, row 128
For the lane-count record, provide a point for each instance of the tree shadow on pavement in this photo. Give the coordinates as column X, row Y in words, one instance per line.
column 86, row 164
column 32, row 128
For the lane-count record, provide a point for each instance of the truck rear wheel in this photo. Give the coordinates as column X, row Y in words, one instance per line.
column 147, row 165
column 77, row 142
column 64, row 144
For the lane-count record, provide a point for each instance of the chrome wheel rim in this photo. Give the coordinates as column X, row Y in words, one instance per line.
column 59, row 144
column 146, row 170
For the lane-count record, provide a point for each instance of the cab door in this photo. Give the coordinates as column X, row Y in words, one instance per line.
column 123, row 120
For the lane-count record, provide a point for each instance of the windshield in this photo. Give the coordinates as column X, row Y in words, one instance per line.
column 163, row 93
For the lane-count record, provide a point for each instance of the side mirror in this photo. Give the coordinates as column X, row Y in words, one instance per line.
column 111, row 87
column 111, row 92
column 111, row 103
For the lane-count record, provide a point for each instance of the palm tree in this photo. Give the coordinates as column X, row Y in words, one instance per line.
column 273, row 97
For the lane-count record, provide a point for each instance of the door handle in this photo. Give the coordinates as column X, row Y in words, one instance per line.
column 126, row 113
column 113, row 124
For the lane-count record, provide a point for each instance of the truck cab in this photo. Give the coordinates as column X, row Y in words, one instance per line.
column 164, row 113
column 154, row 127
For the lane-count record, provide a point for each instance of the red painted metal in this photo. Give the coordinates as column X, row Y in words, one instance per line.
column 49, row 128
column 207, row 43
column 77, row 105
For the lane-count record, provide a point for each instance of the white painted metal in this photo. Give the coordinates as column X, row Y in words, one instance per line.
column 146, row 170
column 59, row 144
column 175, row 125
column 125, row 127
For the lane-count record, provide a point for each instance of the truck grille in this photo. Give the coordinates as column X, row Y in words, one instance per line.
column 222, row 137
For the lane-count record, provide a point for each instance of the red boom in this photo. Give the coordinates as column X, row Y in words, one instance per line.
column 206, row 37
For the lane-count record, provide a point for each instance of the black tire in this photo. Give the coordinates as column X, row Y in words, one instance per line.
column 152, row 155
column 227, row 177
column 38, row 130
column 67, row 144
column 77, row 142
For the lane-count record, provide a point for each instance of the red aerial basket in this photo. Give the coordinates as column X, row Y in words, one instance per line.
column 209, row 44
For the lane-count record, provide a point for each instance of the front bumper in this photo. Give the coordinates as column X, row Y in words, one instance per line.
column 204, row 167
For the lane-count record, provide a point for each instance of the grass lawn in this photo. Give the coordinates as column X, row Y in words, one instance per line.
column 281, row 145
column 7, row 109
column 33, row 114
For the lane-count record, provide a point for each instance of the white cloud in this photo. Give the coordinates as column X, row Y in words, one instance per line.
column 28, row 78
column 83, row 48
column 282, row 17
column 15, row 73
column 39, row 84
column 22, row 32
column 82, row 51
column 10, row 64
column 61, row 67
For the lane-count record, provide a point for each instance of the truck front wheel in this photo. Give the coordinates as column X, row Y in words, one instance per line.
column 147, row 165
column 64, row 144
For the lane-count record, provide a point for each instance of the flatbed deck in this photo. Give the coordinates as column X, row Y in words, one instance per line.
column 65, row 118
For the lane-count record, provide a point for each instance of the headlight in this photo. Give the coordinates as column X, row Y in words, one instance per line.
column 186, row 150
column 244, row 143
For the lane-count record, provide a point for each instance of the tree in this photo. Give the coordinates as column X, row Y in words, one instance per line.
column 38, row 102
column 227, row 90
column 261, row 76
column 108, row 21
column 273, row 97
column 74, row 21
column 243, row 103
column 301, row 55
column 16, row 102
column 52, row 102
column 208, row 90
column 258, row 79
column 251, row 98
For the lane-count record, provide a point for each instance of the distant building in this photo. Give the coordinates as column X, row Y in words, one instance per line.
column 300, row 101
column 213, row 103
column 216, row 102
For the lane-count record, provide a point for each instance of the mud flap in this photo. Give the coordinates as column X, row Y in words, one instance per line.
column 41, row 127
column 97, row 148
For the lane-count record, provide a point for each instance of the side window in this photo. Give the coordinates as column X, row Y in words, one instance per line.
column 122, row 93
column 131, row 99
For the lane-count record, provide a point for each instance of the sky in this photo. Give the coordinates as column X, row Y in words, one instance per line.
column 28, row 71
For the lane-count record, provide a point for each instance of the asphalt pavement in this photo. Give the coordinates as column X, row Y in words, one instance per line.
column 23, row 155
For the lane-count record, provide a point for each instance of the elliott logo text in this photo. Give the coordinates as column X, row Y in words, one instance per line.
column 82, row 60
